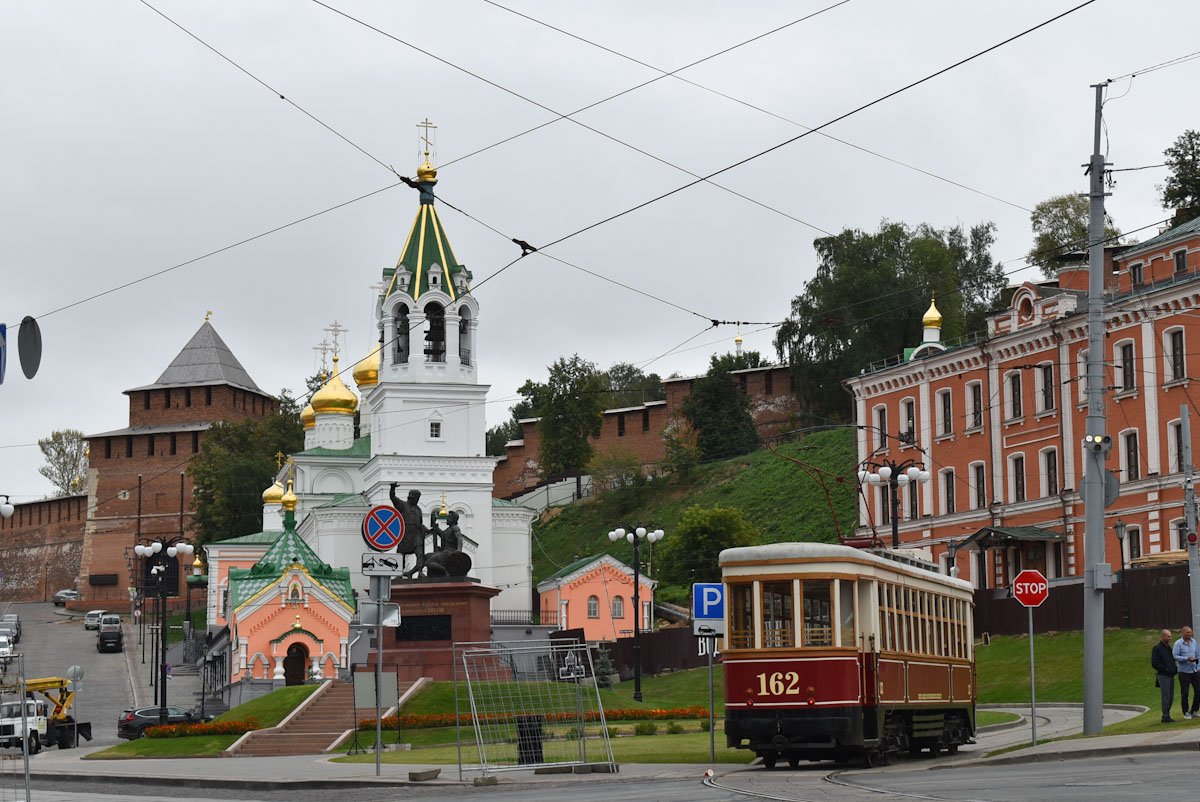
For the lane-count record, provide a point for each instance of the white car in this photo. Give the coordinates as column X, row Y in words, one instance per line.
column 92, row 619
column 5, row 652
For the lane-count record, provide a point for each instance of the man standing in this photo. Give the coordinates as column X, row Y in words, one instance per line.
column 1162, row 660
column 1187, row 655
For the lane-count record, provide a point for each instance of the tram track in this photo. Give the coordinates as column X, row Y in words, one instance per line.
column 833, row 778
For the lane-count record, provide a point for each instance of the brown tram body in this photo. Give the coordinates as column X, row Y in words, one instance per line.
column 833, row 652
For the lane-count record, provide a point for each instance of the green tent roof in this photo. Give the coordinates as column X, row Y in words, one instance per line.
column 288, row 549
column 427, row 245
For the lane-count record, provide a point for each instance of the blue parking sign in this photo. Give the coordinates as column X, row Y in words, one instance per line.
column 708, row 600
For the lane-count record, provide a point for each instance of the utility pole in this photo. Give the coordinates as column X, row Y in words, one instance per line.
column 1097, row 576
column 1189, row 509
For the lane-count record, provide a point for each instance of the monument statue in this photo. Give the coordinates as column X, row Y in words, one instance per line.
column 448, row 558
column 413, row 541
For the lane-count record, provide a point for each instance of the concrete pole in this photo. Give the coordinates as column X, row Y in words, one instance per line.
column 1189, row 509
column 1096, row 576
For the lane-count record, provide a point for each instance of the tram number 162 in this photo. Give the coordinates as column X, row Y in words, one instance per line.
column 778, row 683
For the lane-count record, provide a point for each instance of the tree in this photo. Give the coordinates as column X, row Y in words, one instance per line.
column 720, row 413
column 1181, row 190
column 628, row 386
column 66, row 454
column 869, row 294
column 571, row 408
column 236, row 464
column 691, row 551
column 681, row 446
column 742, row 361
column 498, row 436
column 615, row 469
column 1060, row 226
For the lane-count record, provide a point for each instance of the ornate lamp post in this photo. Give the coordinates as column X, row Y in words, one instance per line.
column 6, row 508
column 895, row 475
column 1120, row 527
column 172, row 547
column 635, row 535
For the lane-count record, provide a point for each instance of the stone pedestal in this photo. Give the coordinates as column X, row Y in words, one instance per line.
column 434, row 615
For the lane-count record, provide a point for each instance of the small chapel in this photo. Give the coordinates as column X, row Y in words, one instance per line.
column 288, row 595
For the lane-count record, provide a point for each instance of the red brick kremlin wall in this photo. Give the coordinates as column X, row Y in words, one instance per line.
column 40, row 547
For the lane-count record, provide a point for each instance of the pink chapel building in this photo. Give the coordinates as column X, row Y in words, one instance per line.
column 595, row 594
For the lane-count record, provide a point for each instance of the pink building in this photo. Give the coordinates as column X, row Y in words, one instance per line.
column 595, row 594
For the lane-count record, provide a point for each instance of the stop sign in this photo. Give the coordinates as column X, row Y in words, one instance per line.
column 1030, row 588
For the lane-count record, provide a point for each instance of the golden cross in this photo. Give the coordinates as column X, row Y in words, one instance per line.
column 207, row 315
column 279, row 455
column 291, row 464
column 335, row 330
column 425, row 137
column 323, row 347
column 443, row 505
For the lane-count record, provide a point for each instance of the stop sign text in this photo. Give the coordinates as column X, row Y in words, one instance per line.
column 1030, row 588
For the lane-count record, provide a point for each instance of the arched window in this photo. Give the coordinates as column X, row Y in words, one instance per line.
column 464, row 336
column 593, row 607
column 435, row 333
column 402, row 324
column 618, row 607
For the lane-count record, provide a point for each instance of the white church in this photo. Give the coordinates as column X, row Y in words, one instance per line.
column 421, row 423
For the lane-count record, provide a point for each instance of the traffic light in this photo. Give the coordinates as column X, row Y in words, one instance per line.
column 1099, row 443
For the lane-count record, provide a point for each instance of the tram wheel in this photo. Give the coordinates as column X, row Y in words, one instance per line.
column 793, row 760
column 873, row 759
column 768, row 759
column 952, row 748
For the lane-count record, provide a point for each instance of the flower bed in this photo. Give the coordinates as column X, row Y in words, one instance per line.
column 208, row 728
column 418, row 722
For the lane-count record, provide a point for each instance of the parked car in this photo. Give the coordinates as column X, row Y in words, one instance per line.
column 5, row 652
column 110, row 640
column 15, row 620
column 65, row 595
column 10, row 633
column 133, row 723
column 92, row 619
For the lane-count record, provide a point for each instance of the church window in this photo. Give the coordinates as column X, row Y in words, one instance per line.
column 402, row 329
column 435, row 430
column 464, row 337
column 593, row 607
column 435, row 333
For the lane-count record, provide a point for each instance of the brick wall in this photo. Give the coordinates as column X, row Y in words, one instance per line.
column 190, row 404
column 40, row 547
column 773, row 406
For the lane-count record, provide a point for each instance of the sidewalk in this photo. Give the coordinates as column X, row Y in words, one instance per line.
column 1181, row 740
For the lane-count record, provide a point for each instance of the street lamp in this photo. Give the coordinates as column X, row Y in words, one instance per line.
column 172, row 547
column 6, row 508
column 1120, row 527
column 635, row 535
column 895, row 475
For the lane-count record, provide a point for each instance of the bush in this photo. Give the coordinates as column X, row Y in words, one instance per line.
column 645, row 728
column 603, row 669
column 425, row 721
column 674, row 728
column 704, row 725
column 208, row 728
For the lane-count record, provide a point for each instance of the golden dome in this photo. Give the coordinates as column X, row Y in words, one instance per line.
column 335, row 397
column 273, row 494
column 933, row 318
column 426, row 173
column 289, row 499
column 308, row 417
column 366, row 372
column 197, row 563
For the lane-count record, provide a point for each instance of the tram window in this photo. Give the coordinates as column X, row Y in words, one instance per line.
column 741, row 616
column 818, row 613
column 777, row 624
column 846, row 611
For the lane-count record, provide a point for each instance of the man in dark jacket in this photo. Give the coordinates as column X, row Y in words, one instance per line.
column 1163, row 662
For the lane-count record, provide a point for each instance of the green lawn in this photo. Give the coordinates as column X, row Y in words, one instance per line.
column 437, row 698
column 986, row 718
column 269, row 710
column 677, row 689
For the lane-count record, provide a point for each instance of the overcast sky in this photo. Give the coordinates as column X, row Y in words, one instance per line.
column 128, row 147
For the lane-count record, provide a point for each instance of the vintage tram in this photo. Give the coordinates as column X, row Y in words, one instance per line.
column 833, row 653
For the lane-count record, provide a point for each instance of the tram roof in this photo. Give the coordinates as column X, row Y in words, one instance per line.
column 783, row 552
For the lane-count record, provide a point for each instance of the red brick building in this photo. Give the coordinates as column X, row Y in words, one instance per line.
column 639, row 429
column 40, row 547
column 999, row 423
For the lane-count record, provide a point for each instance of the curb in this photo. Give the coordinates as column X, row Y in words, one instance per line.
column 1080, row 754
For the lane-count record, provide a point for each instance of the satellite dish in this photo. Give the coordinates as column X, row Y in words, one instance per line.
column 29, row 345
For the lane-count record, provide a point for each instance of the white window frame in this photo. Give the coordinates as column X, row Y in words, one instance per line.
column 1176, row 534
column 593, row 607
column 1081, row 372
column 1173, row 456
column 945, row 424
column 1175, row 261
column 1042, row 390
column 942, row 494
column 1141, row 269
column 1009, row 408
column 1012, row 476
column 880, row 433
column 907, row 403
column 1044, row 471
column 973, row 485
column 1124, row 455
column 1119, row 376
column 969, row 424
column 1168, row 360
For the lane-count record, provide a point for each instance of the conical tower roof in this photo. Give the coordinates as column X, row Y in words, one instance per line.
column 205, row 360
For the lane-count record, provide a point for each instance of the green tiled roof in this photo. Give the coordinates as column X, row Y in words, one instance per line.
column 360, row 448
column 256, row 539
column 288, row 549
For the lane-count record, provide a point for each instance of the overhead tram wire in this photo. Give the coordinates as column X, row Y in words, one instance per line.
column 675, row 74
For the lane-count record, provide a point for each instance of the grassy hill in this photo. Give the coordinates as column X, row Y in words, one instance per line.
column 776, row 496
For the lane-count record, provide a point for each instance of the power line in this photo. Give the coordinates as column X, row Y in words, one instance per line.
column 1160, row 66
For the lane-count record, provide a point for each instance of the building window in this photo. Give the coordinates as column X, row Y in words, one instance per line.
column 620, row 424
column 976, row 405
column 173, row 443
column 886, row 506
column 593, row 607
column 1133, row 537
column 980, row 486
column 946, row 408
column 435, row 430
column 1177, row 365
column 1047, row 372
column 1050, row 470
column 167, row 398
column 618, row 607
column 1176, row 444
column 881, row 428
column 645, row 420
column 1181, row 533
column 208, row 396
column 1125, row 360
column 187, row 396
column 128, row 445
column 1135, row 275
column 1014, row 396
column 1181, row 261
column 150, row 445
column 768, row 383
column 913, row 506
column 146, row 400
column 108, row 448
column 1132, row 471
column 195, row 442
column 908, row 409
column 1081, row 372
column 948, row 491
column 1017, row 465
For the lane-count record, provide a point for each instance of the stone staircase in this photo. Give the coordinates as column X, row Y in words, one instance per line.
column 311, row 731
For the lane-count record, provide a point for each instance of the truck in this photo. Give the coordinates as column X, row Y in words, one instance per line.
column 46, row 721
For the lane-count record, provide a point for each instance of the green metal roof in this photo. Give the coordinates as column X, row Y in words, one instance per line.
column 503, row 502
column 346, row 500
column 288, row 549
column 256, row 539
column 572, row 567
column 994, row 536
column 1181, row 231
column 427, row 245
column 359, row 448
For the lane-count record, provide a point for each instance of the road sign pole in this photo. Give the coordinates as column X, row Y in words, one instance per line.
column 712, row 736
column 1032, row 682
column 381, row 587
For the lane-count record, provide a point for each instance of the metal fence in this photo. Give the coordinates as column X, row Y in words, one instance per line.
column 532, row 705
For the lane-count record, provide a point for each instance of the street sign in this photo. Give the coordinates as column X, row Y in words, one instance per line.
column 1112, row 489
column 383, row 528
column 376, row 564
column 1030, row 588
column 374, row 614
column 708, row 605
